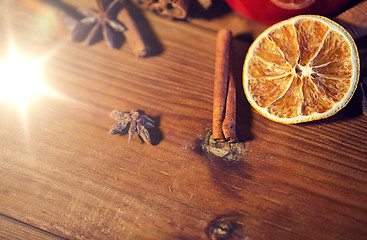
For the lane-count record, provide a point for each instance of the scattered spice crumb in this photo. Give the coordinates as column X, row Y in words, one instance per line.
column 229, row 152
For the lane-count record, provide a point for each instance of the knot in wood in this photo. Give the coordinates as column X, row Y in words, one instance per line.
column 221, row 230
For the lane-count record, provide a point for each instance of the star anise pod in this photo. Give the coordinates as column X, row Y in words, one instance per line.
column 98, row 23
column 138, row 123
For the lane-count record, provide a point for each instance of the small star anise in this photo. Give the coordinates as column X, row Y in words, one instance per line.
column 138, row 122
column 101, row 22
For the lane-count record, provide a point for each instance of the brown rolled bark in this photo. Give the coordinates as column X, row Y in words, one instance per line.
column 222, row 55
column 229, row 122
column 132, row 34
column 224, row 94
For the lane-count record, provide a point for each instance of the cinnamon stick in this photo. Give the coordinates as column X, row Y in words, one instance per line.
column 132, row 34
column 222, row 55
column 229, row 122
column 363, row 89
column 354, row 20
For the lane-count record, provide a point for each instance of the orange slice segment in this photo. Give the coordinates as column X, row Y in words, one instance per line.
column 302, row 69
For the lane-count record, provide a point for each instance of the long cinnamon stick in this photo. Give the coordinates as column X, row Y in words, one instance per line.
column 132, row 34
column 229, row 122
column 222, row 55
column 354, row 20
column 363, row 89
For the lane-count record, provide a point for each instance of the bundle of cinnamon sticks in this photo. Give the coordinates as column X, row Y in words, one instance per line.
column 224, row 94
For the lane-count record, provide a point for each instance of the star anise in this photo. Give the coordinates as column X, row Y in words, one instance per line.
column 138, row 123
column 98, row 23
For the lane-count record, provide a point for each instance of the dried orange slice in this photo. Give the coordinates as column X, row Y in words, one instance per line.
column 301, row 69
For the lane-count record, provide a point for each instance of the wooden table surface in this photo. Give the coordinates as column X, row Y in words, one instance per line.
column 63, row 176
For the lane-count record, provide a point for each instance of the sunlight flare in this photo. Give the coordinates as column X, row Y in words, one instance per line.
column 21, row 80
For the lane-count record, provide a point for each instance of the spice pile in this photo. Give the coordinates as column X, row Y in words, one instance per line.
column 211, row 149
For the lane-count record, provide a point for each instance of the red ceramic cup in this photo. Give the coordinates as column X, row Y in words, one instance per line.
column 272, row 11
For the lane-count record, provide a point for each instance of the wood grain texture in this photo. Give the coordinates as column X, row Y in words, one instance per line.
column 13, row 229
column 355, row 20
column 60, row 170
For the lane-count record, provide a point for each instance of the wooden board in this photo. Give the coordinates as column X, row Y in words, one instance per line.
column 61, row 172
column 13, row 229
